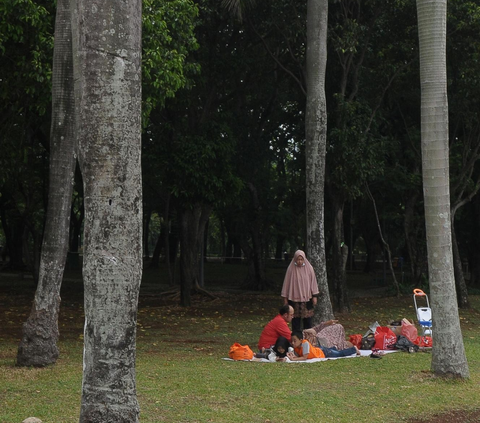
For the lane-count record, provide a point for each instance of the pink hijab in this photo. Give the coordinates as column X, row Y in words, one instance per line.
column 300, row 283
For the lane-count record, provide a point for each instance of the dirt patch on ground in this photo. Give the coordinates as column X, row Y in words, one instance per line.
column 455, row 416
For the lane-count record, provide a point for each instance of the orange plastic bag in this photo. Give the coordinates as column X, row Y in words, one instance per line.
column 240, row 352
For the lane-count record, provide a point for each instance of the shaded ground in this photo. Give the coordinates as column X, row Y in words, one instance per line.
column 17, row 292
column 455, row 416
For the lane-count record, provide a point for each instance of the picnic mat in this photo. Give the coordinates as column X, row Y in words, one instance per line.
column 363, row 353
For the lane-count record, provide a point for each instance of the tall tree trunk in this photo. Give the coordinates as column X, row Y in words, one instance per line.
column 315, row 150
column 279, row 241
column 448, row 354
column 146, row 231
column 416, row 253
column 38, row 346
column 460, row 283
column 193, row 223
column 256, row 277
column 155, row 262
column 172, row 241
column 76, row 219
column 385, row 244
column 107, row 75
column 474, row 253
column 338, row 269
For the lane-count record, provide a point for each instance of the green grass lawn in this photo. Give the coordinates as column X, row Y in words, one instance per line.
column 181, row 376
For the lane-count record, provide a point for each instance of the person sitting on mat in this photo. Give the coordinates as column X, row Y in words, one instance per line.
column 278, row 326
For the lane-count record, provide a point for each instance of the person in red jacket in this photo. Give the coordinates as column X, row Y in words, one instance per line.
column 278, row 326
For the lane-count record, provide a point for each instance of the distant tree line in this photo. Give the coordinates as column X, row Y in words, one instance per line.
column 223, row 144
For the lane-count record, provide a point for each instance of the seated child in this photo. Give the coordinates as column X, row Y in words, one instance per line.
column 303, row 350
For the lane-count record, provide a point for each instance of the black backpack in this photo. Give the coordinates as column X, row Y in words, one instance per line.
column 404, row 344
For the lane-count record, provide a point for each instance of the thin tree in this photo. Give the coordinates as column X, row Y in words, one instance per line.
column 448, row 354
column 38, row 346
column 315, row 150
column 107, row 75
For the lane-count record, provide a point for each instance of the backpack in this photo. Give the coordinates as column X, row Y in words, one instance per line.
column 368, row 342
column 240, row 352
column 404, row 344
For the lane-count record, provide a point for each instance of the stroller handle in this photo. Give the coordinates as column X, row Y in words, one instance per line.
column 419, row 292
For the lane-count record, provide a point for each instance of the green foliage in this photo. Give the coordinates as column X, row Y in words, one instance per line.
column 194, row 167
column 168, row 39
column 26, row 46
column 356, row 156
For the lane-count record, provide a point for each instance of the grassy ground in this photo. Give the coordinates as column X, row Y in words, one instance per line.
column 181, row 376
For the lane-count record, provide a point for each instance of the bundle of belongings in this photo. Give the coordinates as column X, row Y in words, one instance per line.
column 398, row 335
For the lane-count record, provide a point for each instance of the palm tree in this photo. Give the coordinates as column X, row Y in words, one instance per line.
column 315, row 150
column 448, row 355
column 107, row 71
column 38, row 346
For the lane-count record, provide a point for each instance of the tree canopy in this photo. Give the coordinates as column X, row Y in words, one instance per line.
column 223, row 126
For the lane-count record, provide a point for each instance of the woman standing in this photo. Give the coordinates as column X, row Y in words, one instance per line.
column 300, row 290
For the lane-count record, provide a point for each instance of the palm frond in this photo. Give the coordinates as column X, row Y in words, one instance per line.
column 237, row 7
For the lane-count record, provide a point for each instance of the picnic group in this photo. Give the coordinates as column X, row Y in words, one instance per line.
column 325, row 340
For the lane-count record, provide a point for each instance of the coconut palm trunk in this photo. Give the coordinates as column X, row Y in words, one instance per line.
column 316, row 137
column 448, row 354
column 38, row 346
column 107, row 58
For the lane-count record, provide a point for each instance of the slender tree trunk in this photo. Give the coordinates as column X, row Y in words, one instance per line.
column 371, row 256
column 416, row 254
column 146, row 231
column 167, row 241
column 256, row 276
column 460, row 283
column 223, row 252
column 171, row 247
column 107, row 75
column 155, row 262
column 193, row 223
column 38, row 346
column 448, row 354
column 474, row 253
column 385, row 244
column 316, row 137
column 76, row 223
column 279, row 247
column 338, row 268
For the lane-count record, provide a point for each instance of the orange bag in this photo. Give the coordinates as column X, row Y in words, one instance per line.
column 240, row 352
